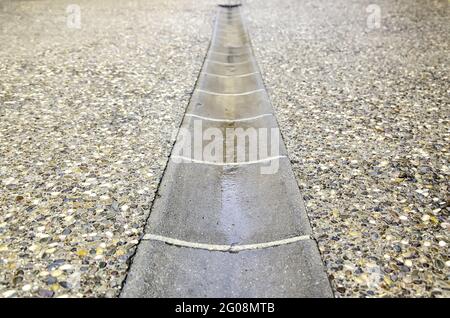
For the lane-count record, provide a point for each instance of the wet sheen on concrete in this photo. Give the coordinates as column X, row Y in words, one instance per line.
column 284, row 271
column 231, row 203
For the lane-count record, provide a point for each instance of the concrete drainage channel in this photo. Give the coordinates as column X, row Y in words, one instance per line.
column 228, row 220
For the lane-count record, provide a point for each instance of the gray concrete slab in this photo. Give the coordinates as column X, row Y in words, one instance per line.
column 230, row 107
column 232, row 32
column 236, row 28
column 230, row 85
column 228, row 205
column 227, row 46
column 233, row 28
column 241, row 141
column 230, row 40
column 237, row 58
column 221, row 69
column 169, row 271
column 227, row 17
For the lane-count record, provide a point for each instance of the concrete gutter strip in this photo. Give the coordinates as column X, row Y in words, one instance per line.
column 225, row 229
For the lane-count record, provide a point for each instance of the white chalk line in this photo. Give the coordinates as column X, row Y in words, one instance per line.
column 241, row 163
column 225, row 248
column 230, row 94
column 224, row 63
column 247, row 50
column 230, row 47
column 224, row 33
column 230, row 76
column 232, row 38
column 229, row 54
column 229, row 120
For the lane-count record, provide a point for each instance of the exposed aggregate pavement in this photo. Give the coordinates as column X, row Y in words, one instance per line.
column 365, row 117
column 86, row 125
column 87, row 119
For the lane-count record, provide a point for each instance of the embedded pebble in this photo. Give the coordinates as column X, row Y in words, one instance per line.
column 9, row 293
column 26, row 288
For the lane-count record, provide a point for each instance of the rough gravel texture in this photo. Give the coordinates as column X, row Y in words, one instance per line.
column 87, row 119
column 86, row 123
column 365, row 115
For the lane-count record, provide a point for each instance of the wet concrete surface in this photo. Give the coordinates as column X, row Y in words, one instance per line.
column 283, row 271
column 231, row 85
column 234, row 200
column 238, row 139
column 225, row 107
column 233, row 205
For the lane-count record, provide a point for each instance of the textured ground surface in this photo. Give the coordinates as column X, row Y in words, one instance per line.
column 365, row 115
column 87, row 114
column 86, row 122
